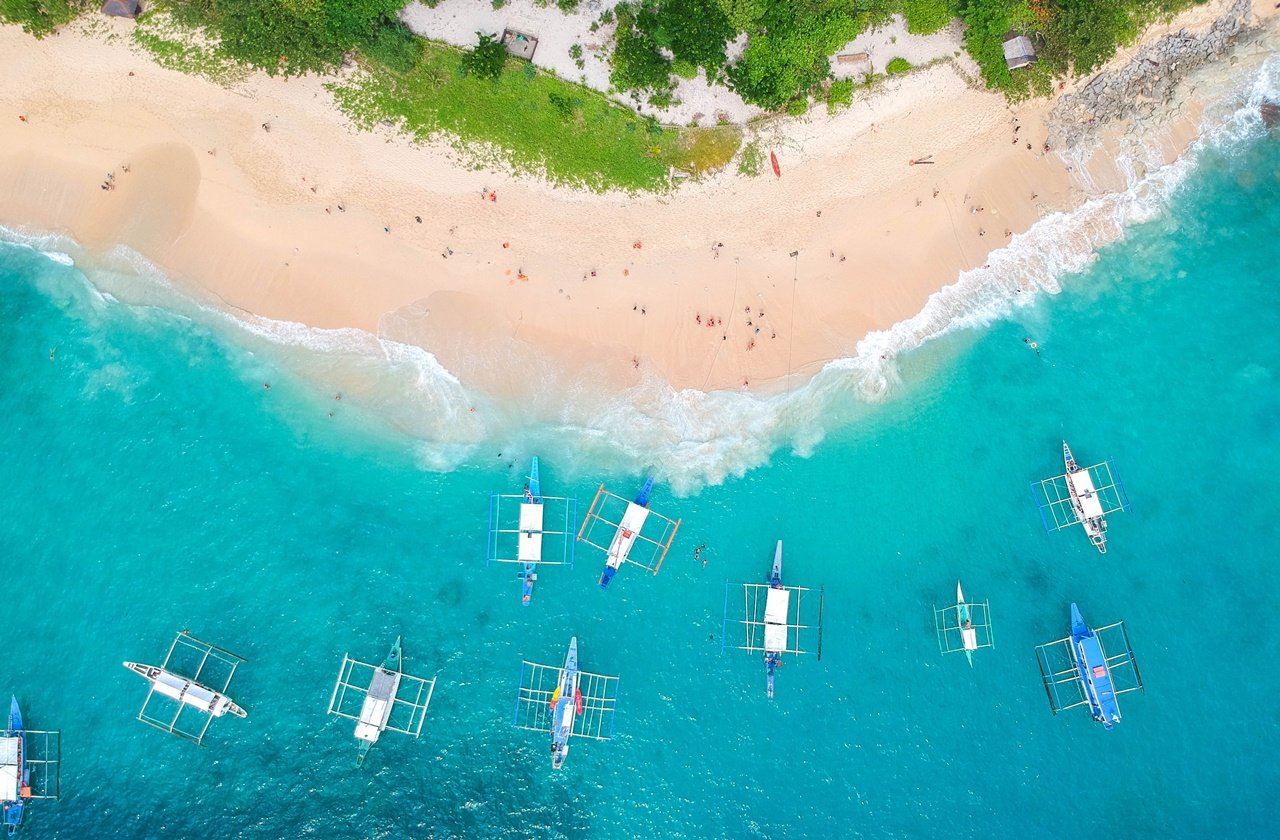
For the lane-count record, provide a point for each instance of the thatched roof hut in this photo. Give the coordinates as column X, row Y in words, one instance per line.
column 1018, row 51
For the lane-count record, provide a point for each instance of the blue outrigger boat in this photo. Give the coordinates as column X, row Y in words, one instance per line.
column 537, row 536
column 773, row 620
column 15, row 781
column 1092, row 670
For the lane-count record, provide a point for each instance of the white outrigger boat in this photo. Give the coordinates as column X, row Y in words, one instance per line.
column 381, row 691
column 772, row 626
column 198, row 692
column 964, row 626
column 539, row 518
column 627, row 532
column 1081, row 496
column 566, row 702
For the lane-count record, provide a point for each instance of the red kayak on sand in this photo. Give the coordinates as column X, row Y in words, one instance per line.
column 774, row 160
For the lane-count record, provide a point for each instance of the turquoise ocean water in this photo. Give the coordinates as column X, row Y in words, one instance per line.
column 151, row 483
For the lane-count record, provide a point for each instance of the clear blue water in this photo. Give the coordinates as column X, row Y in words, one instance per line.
column 150, row 482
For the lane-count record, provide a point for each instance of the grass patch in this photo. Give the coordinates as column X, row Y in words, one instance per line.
column 185, row 49
column 896, row 66
column 532, row 122
column 752, row 159
column 839, row 95
column 703, row 150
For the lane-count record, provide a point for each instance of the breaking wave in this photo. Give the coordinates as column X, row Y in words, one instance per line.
column 691, row 438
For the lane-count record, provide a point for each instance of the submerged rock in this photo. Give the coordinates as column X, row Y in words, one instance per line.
column 1270, row 113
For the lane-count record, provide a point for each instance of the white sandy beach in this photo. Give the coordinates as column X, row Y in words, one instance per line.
column 313, row 221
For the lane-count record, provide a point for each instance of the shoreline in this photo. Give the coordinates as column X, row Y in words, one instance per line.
column 314, row 222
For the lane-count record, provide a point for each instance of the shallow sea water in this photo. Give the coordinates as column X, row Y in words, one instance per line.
column 151, row 483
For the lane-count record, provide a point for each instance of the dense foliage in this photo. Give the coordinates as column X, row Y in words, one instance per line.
column 790, row 54
column 638, row 65
column 1071, row 37
column 486, row 59
column 924, row 17
column 40, row 17
column 290, row 36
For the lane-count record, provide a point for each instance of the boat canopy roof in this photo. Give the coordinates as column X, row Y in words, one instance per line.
column 773, row 619
column 1082, row 482
column 529, row 545
column 521, row 531
column 180, row 688
column 776, row 609
column 9, row 768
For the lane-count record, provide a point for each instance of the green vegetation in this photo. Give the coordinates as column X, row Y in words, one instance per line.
column 925, row 17
column 289, row 36
column 839, row 95
column 752, row 159
column 896, row 66
column 184, row 49
column 393, row 46
column 40, row 17
column 486, row 59
column 638, row 66
column 533, row 122
column 797, row 107
column 1071, row 37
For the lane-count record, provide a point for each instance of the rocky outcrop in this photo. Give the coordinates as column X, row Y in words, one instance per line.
column 1147, row 82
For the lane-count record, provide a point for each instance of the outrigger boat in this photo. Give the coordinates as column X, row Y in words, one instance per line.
column 533, row 499
column 1081, row 496
column 567, row 702
column 770, row 627
column 524, row 543
column 775, row 621
column 186, row 691
column 381, row 697
column 16, row 763
column 15, row 779
column 198, row 692
column 964, row 626
column 1084, row 499
column 627, row 532
column 1092, row 670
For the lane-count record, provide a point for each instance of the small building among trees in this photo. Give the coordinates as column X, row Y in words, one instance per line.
column 1018, row 51
column 122, row 8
